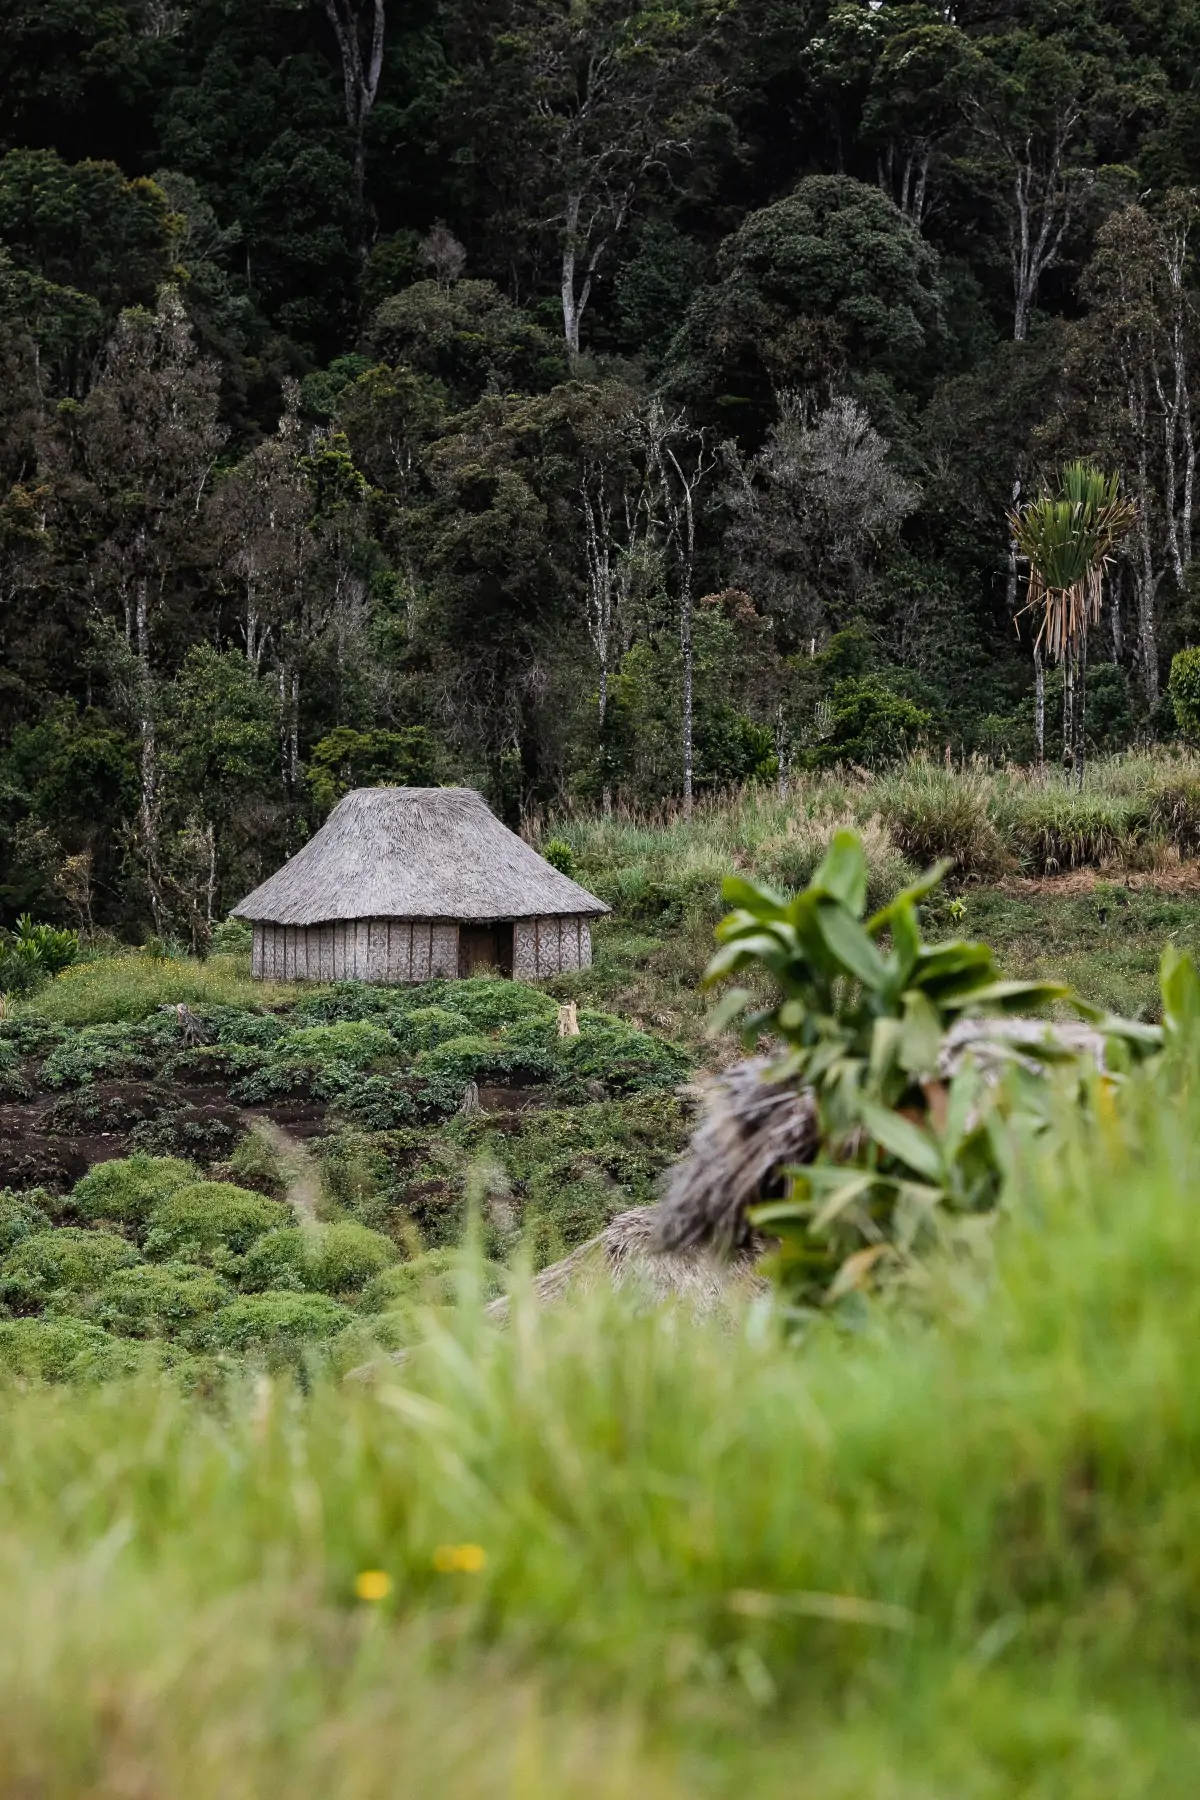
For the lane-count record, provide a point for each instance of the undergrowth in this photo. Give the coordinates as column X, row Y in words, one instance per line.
column 952, row 1553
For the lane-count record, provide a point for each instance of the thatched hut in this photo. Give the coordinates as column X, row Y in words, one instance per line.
column 405, row 884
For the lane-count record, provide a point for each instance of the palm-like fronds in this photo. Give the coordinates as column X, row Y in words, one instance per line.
column 1069, row 541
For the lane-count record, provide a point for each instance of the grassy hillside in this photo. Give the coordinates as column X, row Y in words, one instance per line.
column 616, row 1553
column 939, row 1549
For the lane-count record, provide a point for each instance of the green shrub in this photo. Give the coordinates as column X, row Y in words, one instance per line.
column 232, row 937
column 625, row 1059
column 933, row 812
column 375, row 1102
column 559, row 854
column 21, row 968
column 277, row 1321
column 255, row 1164
column 99, row 1050
column 356, row 1042
column 63, row 1350
column 67, row 1261
column 1184, row 690
column 21, row 1217
column 345, row 1001
column 431, row 1279
column 424, row 1027
column 491, row 1003
column 443, row 1074
column 329, row 1259
column 54, row 948
column 235, row 1025
column 211, row 1222
column 869, row 725
column 129, row 1188
column 157, row 1299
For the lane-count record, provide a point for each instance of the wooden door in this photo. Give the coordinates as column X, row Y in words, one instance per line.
column 483, row 947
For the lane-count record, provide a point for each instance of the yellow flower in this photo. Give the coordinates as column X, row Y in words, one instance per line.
column 372, row 1584
column 466, row 1559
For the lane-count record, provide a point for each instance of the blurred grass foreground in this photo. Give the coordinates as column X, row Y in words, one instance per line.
column 610, row 1551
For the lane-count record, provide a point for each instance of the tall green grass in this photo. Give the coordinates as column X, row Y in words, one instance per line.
column 1133, row 811
column 955, row 1552
column 130, row 987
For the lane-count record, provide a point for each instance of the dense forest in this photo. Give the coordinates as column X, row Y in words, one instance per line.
column 597, row 406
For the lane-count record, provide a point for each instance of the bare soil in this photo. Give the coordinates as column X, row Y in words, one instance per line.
column 53, row 1139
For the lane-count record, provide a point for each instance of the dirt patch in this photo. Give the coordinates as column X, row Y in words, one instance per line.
column 53, row 1139
column 1172, row 878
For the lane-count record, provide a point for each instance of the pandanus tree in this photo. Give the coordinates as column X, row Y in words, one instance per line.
column 1069, row 540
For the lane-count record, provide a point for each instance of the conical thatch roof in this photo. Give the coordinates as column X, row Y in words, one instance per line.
column 414, row 853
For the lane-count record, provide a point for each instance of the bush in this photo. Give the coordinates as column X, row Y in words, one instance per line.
column 345, row 1001
column 63, row 1262
column 255, row 1164
column 869, row 725
column 63, row 1350
column 21, row 1217
column 625, row 1059
column 355, row 1042
column 431, row 1279
column 327, row 1259
column 277, row 1321
column 55, row 949
column 232, row 937
column 21, row 969
column 444, row 1073
column 559, row 854
column 1184, row 690
column 157, row 1299
column 424, row 1027
column 100, row 1050
column 376, row 1102
column 211, row 1222
column 933, row 812
column 128, row 1189
column 491, row 1003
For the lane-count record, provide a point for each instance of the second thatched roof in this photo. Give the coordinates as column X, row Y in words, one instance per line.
column 415, row 853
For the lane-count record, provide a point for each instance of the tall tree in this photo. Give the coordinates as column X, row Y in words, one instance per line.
column 359, row 30
column 131, row 465
column 584, row 105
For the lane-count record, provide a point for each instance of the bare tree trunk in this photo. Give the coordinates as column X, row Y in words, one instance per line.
column 1079, row 747
column 1068, row 717
column 1039, row 705
column 149, row 753
column 685, row 644
column 211, row 886
column 360, row 82
column 1115, row 584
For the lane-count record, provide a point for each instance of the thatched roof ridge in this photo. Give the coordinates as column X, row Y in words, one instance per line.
column 415, row 853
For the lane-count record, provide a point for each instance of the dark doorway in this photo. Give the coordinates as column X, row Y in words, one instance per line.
column 483, row 947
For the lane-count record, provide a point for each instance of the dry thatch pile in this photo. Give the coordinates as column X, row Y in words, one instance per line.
column 415, row 853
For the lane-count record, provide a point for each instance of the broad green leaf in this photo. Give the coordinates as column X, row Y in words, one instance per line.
column 1180, row 987
column 920, row 1035
column 842, row 1197
column 1010, row 996
column 910, row 896
column 885, row 1040
column 843, row 874
column 754, row 897
column 906, row 940
column 850, row 945
column 902, row 1139
column 727, row 1009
